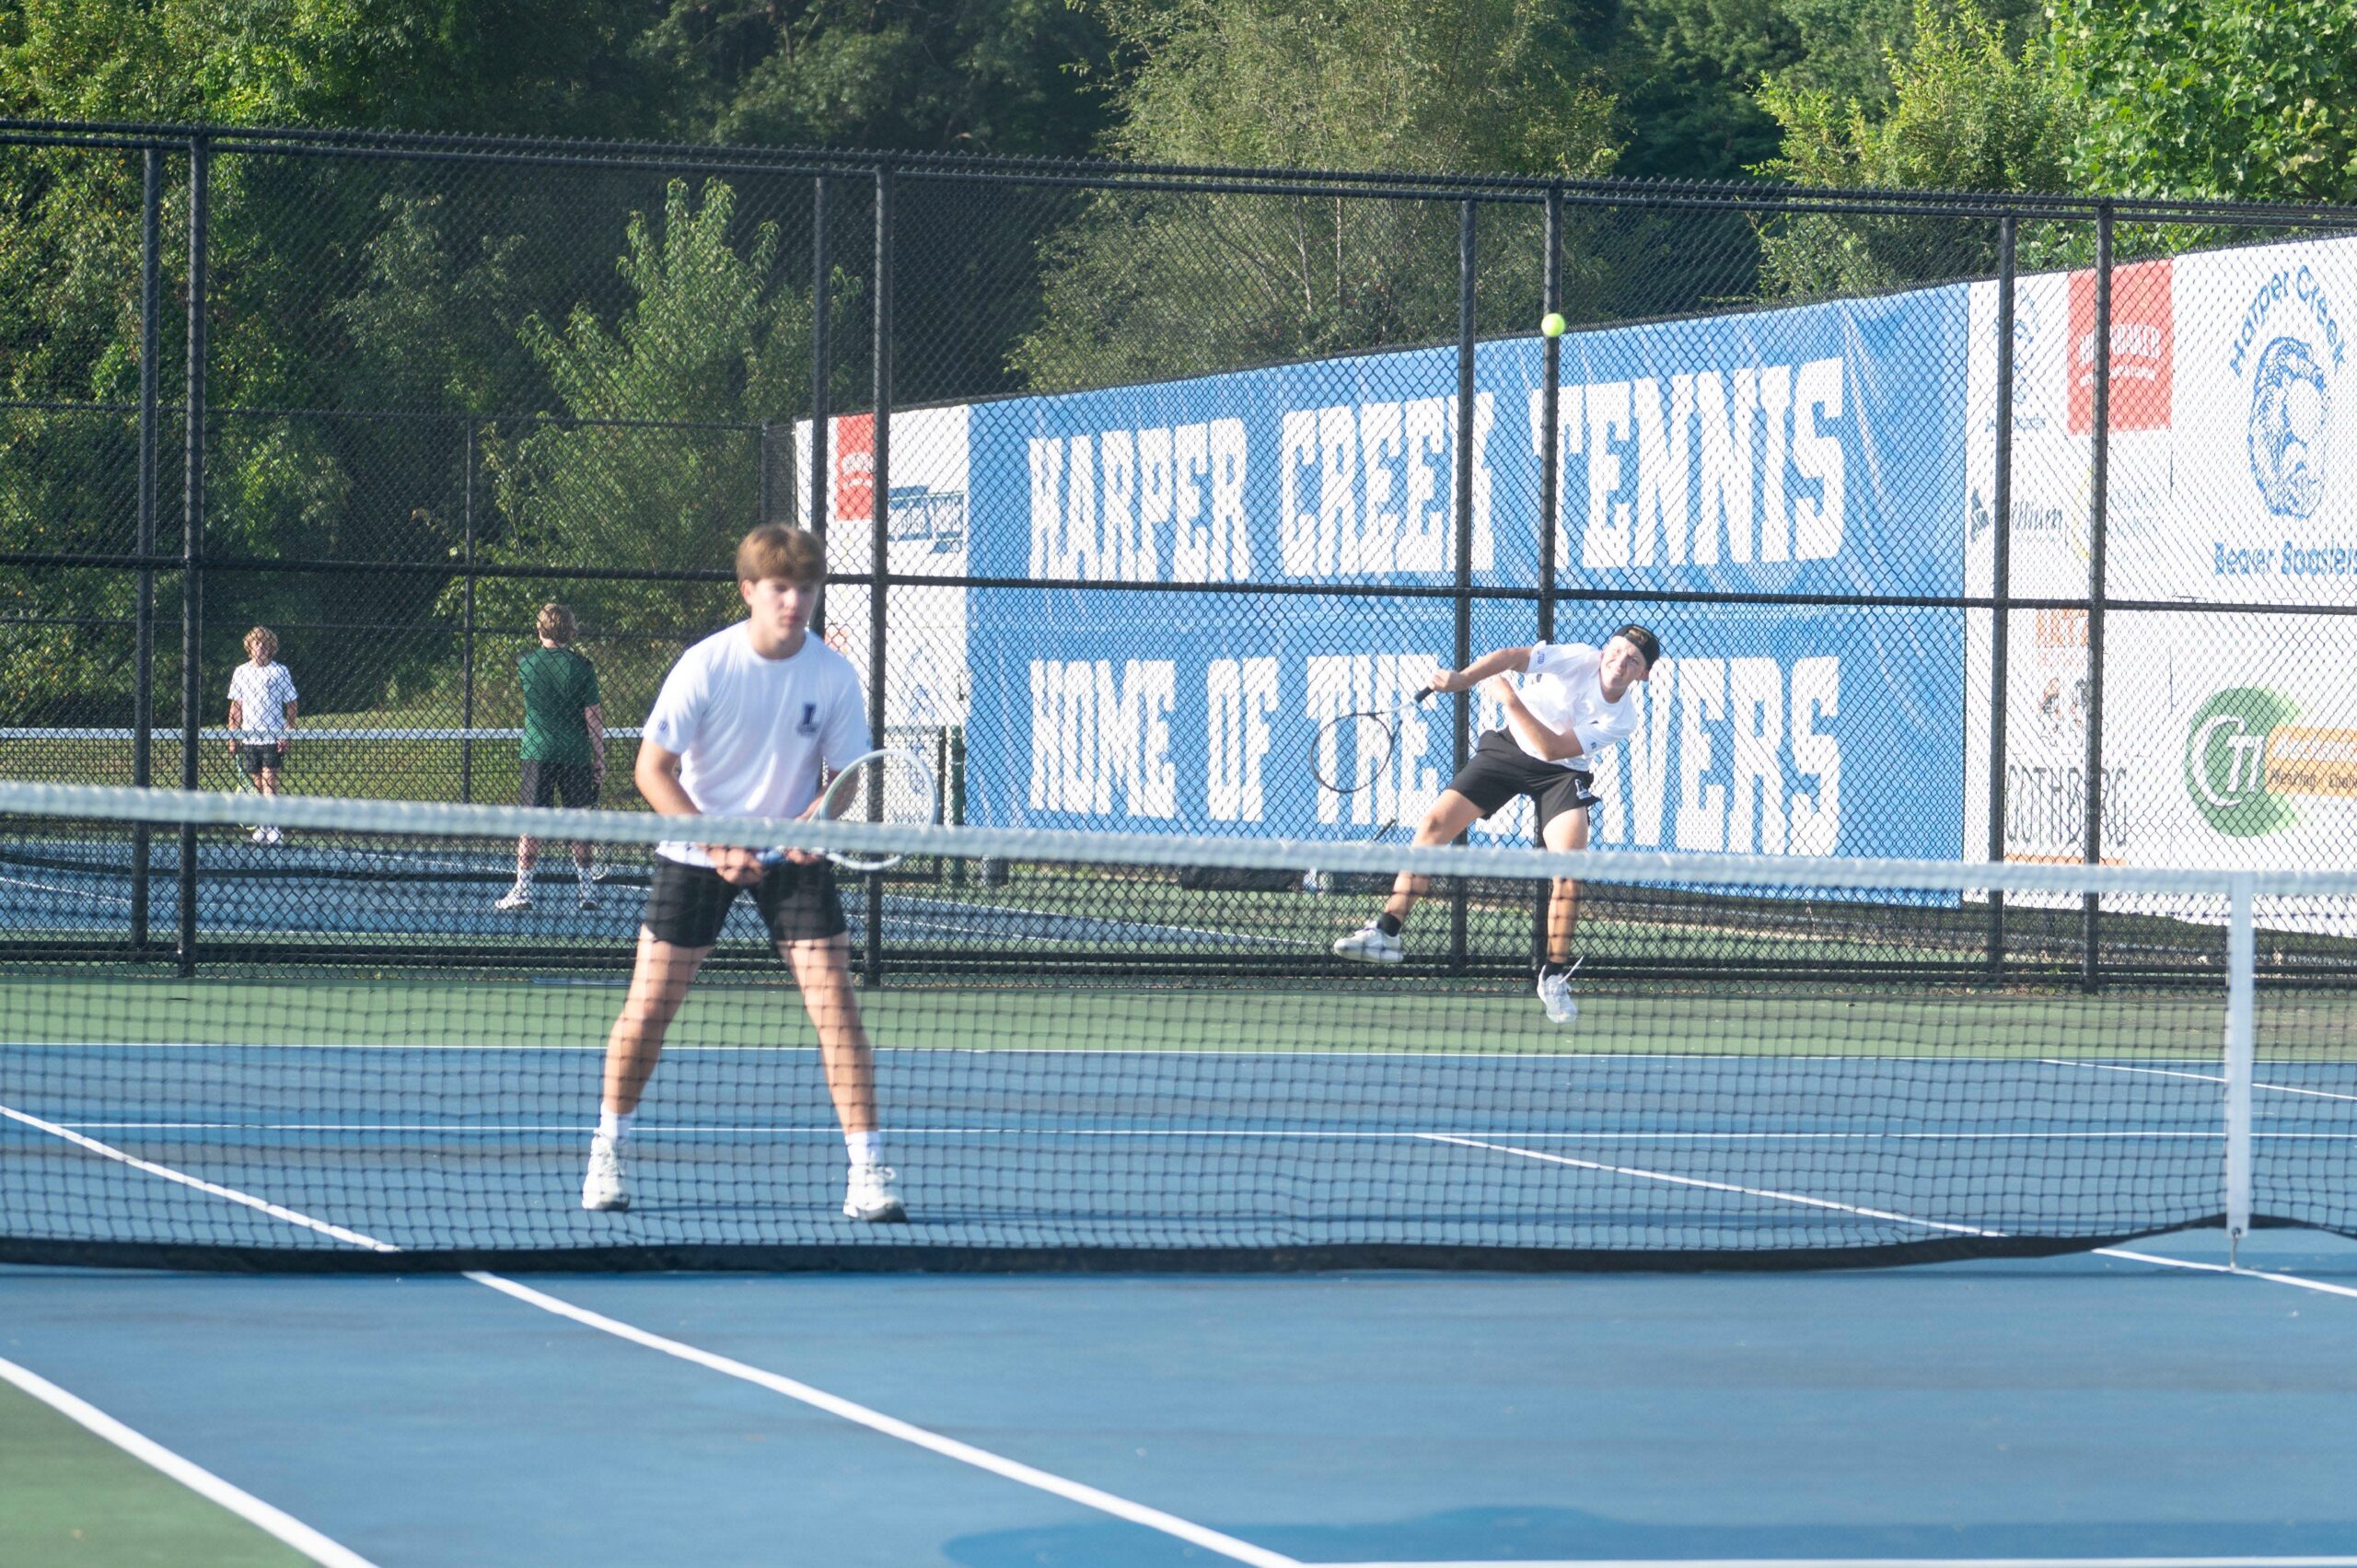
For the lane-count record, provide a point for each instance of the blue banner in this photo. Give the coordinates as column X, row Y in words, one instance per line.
column 1810, row 450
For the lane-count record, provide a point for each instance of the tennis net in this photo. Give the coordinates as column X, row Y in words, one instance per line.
column 1044, row 1106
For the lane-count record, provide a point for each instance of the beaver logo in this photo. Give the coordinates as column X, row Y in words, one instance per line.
column 2290, row 409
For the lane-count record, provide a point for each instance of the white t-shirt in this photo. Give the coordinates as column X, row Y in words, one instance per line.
column 751, row 732
column 1563, row 691
column 262, row 693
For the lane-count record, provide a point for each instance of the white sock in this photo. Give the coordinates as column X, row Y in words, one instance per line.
column 614, row 1125
column 866, row 1148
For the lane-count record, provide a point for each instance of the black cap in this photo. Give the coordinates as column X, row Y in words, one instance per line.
column 1643, row 639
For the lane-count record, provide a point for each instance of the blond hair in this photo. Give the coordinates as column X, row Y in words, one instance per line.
column 261, row 642
column 775, row 551
column 556, row 624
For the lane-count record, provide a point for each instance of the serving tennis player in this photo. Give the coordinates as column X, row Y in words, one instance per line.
column 1575, row 701
column 741, row 727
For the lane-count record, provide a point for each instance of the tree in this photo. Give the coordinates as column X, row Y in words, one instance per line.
column 1967, row 113
column 2244, row 99
column 711, row 335
column 1006, row 77
column 1142, row 285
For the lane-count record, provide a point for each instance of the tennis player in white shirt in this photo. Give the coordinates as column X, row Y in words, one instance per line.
column 1576, row 700
column 742, row 725
column 262, row 704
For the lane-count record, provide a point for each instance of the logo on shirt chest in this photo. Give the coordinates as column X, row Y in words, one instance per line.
column 808, row 722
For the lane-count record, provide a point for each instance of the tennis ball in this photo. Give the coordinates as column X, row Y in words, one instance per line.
column 1552, row 324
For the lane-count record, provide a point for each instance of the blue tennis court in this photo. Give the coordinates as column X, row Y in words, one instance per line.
column 1133, row 1149
column 2091, row 1409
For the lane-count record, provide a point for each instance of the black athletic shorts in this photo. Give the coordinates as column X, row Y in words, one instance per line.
column 254, row 759
column 1500, row 770
column 686, row 905
column 545, row 784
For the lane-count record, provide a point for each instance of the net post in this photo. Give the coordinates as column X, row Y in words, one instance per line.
column 1464, row 600
column 467, row 626
column 2001, row 583
column 2099, row 485
column 142, row 675
column 199, row 170
column 762, row 473
column 2241, row 1051
column 879, row 565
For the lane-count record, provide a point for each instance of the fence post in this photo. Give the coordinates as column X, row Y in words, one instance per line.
column 2098, row 499
column 879, row 565
column 1551, row 460
column 821, row 409
column 467, row 630
column 761, row 474
column 1461, row 735
column 142, row 673
column 200, row 170
column 2001, row 582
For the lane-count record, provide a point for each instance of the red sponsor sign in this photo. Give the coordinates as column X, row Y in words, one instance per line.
column 854, row 466
column 2144, row 348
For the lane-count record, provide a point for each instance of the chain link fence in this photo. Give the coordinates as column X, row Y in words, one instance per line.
column 1971, row 526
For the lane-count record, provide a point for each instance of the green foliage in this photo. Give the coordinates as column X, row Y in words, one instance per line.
column 711, row 335
column 2239, row 98
column 1690, row 71
column 1144, row 286
column 1967, row 113
column 1004, row 77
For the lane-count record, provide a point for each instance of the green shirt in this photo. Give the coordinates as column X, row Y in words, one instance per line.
column 558, row 684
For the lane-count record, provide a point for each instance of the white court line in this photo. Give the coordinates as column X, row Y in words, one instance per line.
column 1673, row 1180
column 890, row 1426
column 2272, row 1277
column 274, row 1211
column 949, row 1447
column 1299, row 1135
column 82, row 893
column 196, row 1478
column 2198, row 1077
column 2298, row 1282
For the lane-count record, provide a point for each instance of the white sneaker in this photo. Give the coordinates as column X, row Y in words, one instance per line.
column 873, row 1195
column 604, row 1189
column 519, row 897
column 266, row 835
column 1555, row 991
column 1370, row 945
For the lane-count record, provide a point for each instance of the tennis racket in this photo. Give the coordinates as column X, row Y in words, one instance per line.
column 899, row 779
column 1351, row 750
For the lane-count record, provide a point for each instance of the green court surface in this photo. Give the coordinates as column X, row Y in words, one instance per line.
column 1375, row 1018
column 69, row 1497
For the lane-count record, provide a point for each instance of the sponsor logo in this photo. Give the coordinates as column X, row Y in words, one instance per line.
column 2144, row 348
column 808, row 722
column 854, row 466
column 2289, row 342
column 2225, row 762
column 2290, row 413
column 929, row 522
